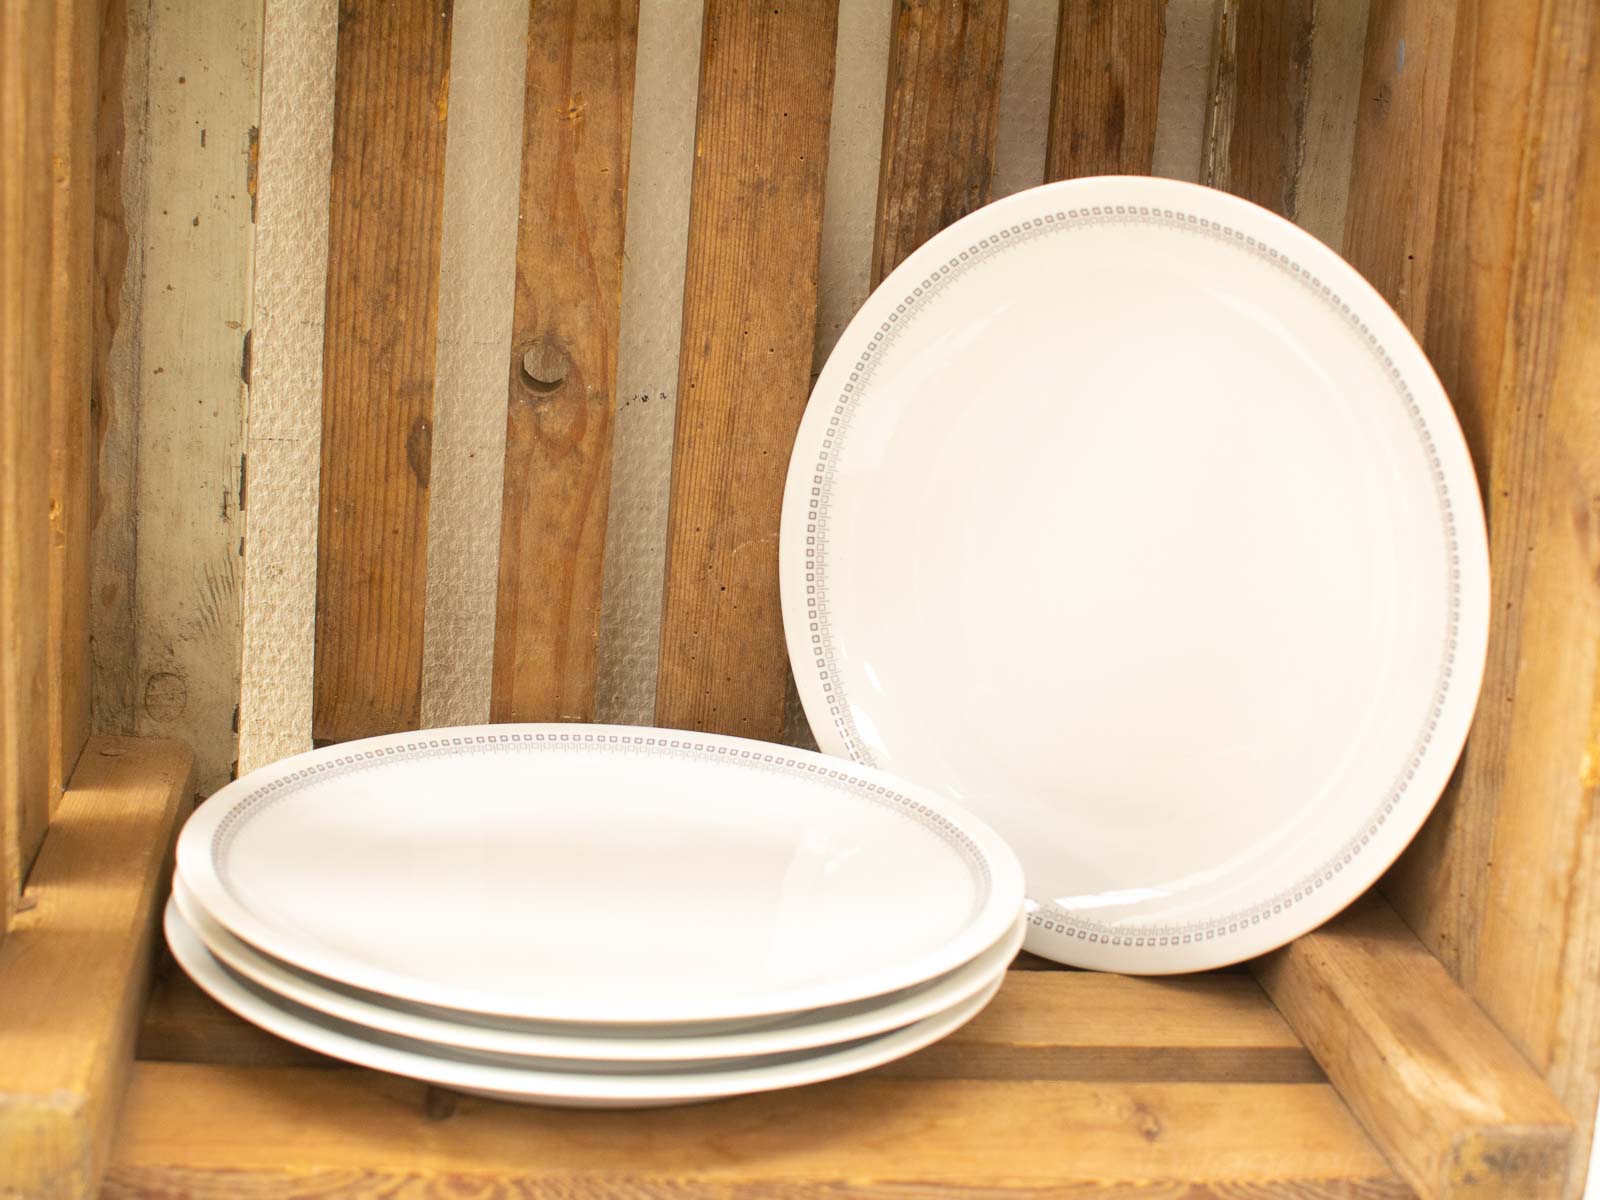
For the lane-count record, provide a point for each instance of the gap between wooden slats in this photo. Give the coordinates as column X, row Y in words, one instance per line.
column 563, row 358
column 477, row 279
column 391, row 95
column 284, row 435
column 749, row 312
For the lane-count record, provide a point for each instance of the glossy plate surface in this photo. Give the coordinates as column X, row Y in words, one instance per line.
column 599, row 874
column 506, row 1079
column 553, row 1041
column 1128, row 515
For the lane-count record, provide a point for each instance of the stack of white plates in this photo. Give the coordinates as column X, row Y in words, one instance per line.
column 591, row 915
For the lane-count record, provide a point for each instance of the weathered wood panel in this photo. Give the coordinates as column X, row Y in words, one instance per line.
column 27, row 115
column 1284, row 133
column 195, row 234
column 1405, row 88
column 77, row 100
column 563, row 358
column 749, row 312
column 1107, row 88
column 939, row 121
column 386, row 195
column 1502, row 882
column 309, row 1132
column 74, row 970
column 1454, row 1106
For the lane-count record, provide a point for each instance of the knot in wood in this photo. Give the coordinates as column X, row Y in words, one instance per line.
column 544, row 366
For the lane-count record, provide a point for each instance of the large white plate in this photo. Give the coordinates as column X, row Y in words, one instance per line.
column 599, row 874
column 1129, row 515
column 501, row 1078
column 826, row 1027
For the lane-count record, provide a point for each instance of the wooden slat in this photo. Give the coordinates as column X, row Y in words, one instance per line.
column 749, row 312
column 939, row 121
column 1107, row 84
column 1458, row 1110
column 1042, row 1025
column 1283, row 133
column 74, row 969
column 1405, row 88
column 390, row 101
column 77, row 59
column 199, row 1131
column 27, row 57
column 563, row 370
column 1504, row 882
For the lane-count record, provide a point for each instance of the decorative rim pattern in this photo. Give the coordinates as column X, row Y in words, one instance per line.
column 846, row 405
column 436, row 745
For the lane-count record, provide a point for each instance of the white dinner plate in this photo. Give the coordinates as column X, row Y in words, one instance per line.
column 1128, row 515
column 465, row 1031
column 599, row 874
column 504, row 1079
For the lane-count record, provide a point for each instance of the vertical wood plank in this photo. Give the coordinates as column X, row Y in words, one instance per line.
column 77, row 59
column 27, row 59
column 563, row 359
column 1271, row 77
column 939, row 121
column 749, row 312
column 1283, row 133
column 386, row 194
column 1502, row 882
column 1107, row 86
column 1405, row 92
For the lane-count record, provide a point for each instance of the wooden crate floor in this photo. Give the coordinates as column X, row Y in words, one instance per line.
column 1069, row 1084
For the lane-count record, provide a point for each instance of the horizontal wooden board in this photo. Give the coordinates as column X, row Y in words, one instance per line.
column 282, row 1132
column 1062, row 1025
column 74, row 969
column 1458, row 1110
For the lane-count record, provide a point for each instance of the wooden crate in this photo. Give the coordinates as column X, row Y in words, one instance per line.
column 240, row 419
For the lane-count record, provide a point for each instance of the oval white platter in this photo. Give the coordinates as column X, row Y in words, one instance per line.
column 461, row 1031
column 1128, row 515
column 604, row 1088
column 599, row 874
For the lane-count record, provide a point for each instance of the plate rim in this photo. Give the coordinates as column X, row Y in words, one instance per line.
column 519, row 1083
column 310, row 993
column 994, row 915
column 1056, row 935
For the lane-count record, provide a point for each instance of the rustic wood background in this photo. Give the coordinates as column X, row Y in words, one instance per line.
column 375, row 452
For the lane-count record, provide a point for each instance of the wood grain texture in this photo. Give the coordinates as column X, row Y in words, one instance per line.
column 386, row 196
column 1502, row 882
column 1107, row 86
column 210, row 1131
column 27, row 116
column 1271, row 77
column 1284, row 132
column 1042, row 1025
column 749, row 315
column 72, row 444
column 563, row 358
column 1458, row 1111
column 1405, row 90
column 74, row 970
column 939, row 121
column 193, row 303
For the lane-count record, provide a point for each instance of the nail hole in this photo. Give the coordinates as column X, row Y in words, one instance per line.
column 544, row 367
